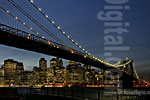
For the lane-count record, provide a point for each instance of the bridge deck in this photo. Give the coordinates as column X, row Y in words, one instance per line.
column 20, row 39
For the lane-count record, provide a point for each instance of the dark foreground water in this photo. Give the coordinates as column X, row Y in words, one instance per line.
column 79, row 93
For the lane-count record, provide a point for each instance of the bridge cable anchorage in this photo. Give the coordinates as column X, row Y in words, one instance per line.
column 68, row 37
column 36, row 22
column 16, row 18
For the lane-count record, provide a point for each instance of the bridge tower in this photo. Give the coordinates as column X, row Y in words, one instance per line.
column 128, row 79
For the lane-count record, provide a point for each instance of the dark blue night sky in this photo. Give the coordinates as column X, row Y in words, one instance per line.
column 78, row 18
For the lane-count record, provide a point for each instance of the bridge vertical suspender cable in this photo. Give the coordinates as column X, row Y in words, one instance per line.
column 41, row 37
column 68, row 37
column 36, row 22
column 16, row 18
column 94, row 59
column 53, row 23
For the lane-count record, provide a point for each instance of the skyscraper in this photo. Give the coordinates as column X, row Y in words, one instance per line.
column 56, row 66
column 43, row 63
column 42, row 70
column 11, row 70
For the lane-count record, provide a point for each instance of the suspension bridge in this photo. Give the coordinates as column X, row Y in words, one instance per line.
column 19, row 28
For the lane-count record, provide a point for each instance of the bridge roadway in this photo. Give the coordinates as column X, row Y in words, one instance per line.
column 16, row 38
column 20, row 39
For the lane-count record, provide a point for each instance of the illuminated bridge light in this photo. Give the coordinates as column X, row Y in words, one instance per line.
column 30, row 28
column 40, row 9
column 24, row 23
column 80, row 47
column 58, row 27
column 46, row 16
column 29, row 34
column 16, row 18
column 85, row 56
column 76, row 43
column 53, row 22
column 64, row 32
column 37, row 33
column 68, row 36
column 31, row 1
column 43, row 37
column 28, row 37
column 7, row 11
column 49, row 42
column 72, row 51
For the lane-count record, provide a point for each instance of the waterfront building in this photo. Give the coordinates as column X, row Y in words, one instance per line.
column 42, row 70
column 74, row 73
column 2, row 75
column 57, row 70
column 27, row 78
column 11, row 72
column 89, row 74
column 36, row 76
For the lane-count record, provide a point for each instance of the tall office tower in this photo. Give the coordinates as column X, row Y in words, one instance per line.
column 12, row 71
column 42, row 70
column 43, row 64
column 57, row 69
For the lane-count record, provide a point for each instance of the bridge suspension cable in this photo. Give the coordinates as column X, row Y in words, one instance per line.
column 69, row 38
column 36, row 22
column 136, row 75
column 23, row 23
column 40, row 36
column 30, row 28
column 59, row 29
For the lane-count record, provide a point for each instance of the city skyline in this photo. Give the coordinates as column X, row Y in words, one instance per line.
column 74, row 49
column 12, row 74
column 84, row 16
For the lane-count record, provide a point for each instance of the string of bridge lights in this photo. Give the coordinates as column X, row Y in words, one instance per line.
column 79, row 46
column 23, row 23
column 36, row 22
column 58, row 28
column 30, row 28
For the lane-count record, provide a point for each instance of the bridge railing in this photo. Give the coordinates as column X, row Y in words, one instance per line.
column 84, row 93
column 38, row 39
